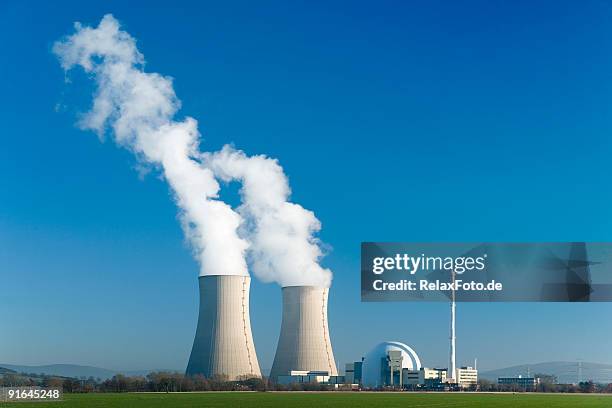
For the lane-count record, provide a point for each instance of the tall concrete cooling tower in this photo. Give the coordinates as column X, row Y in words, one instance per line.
column 304, row 342
column 223, row 342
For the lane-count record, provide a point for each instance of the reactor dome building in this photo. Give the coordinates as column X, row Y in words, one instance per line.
column 223, row 343
column 304, row 343
column 383, row 356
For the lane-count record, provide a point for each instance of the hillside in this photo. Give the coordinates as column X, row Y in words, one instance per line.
column 63, row 370
column 566, row 372
column 4, row 370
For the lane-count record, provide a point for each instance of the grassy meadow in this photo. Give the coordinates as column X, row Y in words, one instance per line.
column 322, row 400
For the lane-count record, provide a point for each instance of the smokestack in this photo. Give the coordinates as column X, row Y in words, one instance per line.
column 223, row 342
column 452, row 367
column 304, row 342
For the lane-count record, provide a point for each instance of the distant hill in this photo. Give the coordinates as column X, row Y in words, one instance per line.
column 63, row 370
column 4, row 370
column 566, row 372
column 73, row 370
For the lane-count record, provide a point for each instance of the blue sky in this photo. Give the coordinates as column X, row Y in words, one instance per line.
column 395, row 121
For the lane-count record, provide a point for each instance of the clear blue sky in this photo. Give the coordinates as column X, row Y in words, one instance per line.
column 396, row 121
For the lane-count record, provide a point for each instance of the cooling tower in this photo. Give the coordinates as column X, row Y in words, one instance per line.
column 223, row 342
column 304, row 342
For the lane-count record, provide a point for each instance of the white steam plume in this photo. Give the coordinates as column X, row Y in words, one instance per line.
column 283, row 246
column 139, row 108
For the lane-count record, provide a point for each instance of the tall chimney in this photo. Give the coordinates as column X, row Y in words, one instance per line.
column 452, row 366
column 223, row 343
column 304, row 342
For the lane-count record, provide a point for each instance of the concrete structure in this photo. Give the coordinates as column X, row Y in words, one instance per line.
column 466, row 377
column 302, row 376
column 223, row 343
column 306, row 377
column 312, row 377
column 384, row 365
column 304, row 343
column 395, row 370
column 428, row 378
column 352, row 372
column 526, row 383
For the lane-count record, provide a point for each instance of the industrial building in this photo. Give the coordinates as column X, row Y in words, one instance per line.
column 427, row 378
column 526, row 383
column 305, row 377
column 466, row 377
column 304, row 343
column 384, row 365
column 223, row 344
column 394, row 364
column 353, row 372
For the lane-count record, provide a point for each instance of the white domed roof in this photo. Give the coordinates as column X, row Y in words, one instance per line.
column 371, row 363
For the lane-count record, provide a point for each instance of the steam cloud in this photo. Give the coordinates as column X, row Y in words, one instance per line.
column 139, row 108
column 283, row 246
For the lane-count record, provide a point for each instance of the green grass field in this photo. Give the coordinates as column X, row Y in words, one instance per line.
column 321, row 400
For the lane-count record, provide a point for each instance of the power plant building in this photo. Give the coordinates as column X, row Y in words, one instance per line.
column 429, row 378
column 353, row 372
column 386, row 364
column 526, row 383
column 309, row 377
column 223, row 344
column 304, row 343
column 300, row 377
column 467, row 377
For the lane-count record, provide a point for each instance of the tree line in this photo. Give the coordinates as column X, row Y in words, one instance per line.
column 154, row 382
column 548, row 387
column 177, row 382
